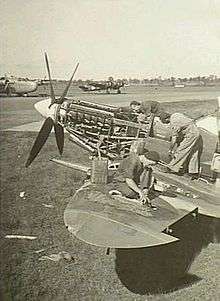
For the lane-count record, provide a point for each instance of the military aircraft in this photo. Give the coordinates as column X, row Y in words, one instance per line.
column 18, row 86
column 107, row 86
column 95, row 216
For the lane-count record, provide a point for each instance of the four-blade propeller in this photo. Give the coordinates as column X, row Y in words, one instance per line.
column 51, row 120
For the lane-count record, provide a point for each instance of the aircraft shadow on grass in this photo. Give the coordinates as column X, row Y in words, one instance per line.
column 165, row 268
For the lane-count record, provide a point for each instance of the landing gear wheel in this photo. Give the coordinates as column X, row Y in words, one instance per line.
column 8, row 91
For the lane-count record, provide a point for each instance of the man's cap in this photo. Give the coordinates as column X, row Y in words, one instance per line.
column 164, row 116
column 135, row 103
column 152, row 155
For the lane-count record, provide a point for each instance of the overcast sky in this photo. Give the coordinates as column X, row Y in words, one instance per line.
column 119, row 38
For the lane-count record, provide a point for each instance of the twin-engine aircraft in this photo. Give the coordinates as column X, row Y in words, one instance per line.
column 107, row 86
column 17, row 86
column 99, row 218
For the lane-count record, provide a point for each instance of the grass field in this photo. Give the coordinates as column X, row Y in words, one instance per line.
column 140, row 93
column 92, row 275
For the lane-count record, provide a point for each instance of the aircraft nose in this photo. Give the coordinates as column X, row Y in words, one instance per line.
column 43, row 107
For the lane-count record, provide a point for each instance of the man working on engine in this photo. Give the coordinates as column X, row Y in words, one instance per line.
column 140, row 111
column 186, row 144
column 133, row 178
column 130, row 112
column 150, row 107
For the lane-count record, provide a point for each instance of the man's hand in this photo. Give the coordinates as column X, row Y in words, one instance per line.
column 171, row 153
column 146, row 201
column 144, row 198
column 141, row 117
column 173, row 146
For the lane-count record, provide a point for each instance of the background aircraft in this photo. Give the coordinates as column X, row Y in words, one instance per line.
column 106, row 86
column 19, row 86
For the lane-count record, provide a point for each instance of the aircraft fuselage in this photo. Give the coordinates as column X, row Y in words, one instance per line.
column 18, row 87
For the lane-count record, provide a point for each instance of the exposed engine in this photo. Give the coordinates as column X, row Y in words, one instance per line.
column 88, row 123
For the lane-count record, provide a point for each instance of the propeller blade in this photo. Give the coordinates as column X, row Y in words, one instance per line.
column 53, row 99
column 40, row 140
column 218, row 125
column 60, row 101
column 59, row 134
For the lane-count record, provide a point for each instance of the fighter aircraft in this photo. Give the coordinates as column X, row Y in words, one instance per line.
column 17, row 86
column 99, row 218
column 107, row 86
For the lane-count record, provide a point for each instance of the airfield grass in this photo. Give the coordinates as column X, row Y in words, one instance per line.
column 92, row 274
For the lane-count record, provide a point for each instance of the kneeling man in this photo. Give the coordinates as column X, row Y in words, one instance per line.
column 133, row 178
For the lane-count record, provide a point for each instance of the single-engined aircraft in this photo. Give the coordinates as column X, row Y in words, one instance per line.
column 107, row 86
column 101, row 219
column 18, row 86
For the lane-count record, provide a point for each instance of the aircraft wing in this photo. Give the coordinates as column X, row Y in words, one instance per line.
column 98, row 86
column 97, row 218
column 84, row 88
column 208, row 123
column 208, row 200
column 89, row 88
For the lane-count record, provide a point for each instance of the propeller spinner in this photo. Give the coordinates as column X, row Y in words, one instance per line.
column 49, row 108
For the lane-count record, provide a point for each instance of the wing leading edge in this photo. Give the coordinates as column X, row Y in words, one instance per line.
column 96, row 218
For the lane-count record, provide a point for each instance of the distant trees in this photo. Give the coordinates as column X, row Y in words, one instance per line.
column 159, row 81
column 134, row 81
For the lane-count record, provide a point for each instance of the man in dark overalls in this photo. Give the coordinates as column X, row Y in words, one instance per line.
column 129, row 112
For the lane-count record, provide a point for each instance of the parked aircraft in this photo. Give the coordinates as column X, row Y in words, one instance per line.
column 107, row 86
column 17, row 86
column 98, row 218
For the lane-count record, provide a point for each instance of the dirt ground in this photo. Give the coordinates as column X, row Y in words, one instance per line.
column 91, row 274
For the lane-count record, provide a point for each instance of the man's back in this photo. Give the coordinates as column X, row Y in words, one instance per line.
column 126, row 113
column 179, row 122
column 151, row 106
column 130, row 167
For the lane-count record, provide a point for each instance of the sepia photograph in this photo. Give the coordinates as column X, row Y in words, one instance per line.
column 109, row 150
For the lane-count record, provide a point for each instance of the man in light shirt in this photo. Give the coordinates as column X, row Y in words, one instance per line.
column 186, row 144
